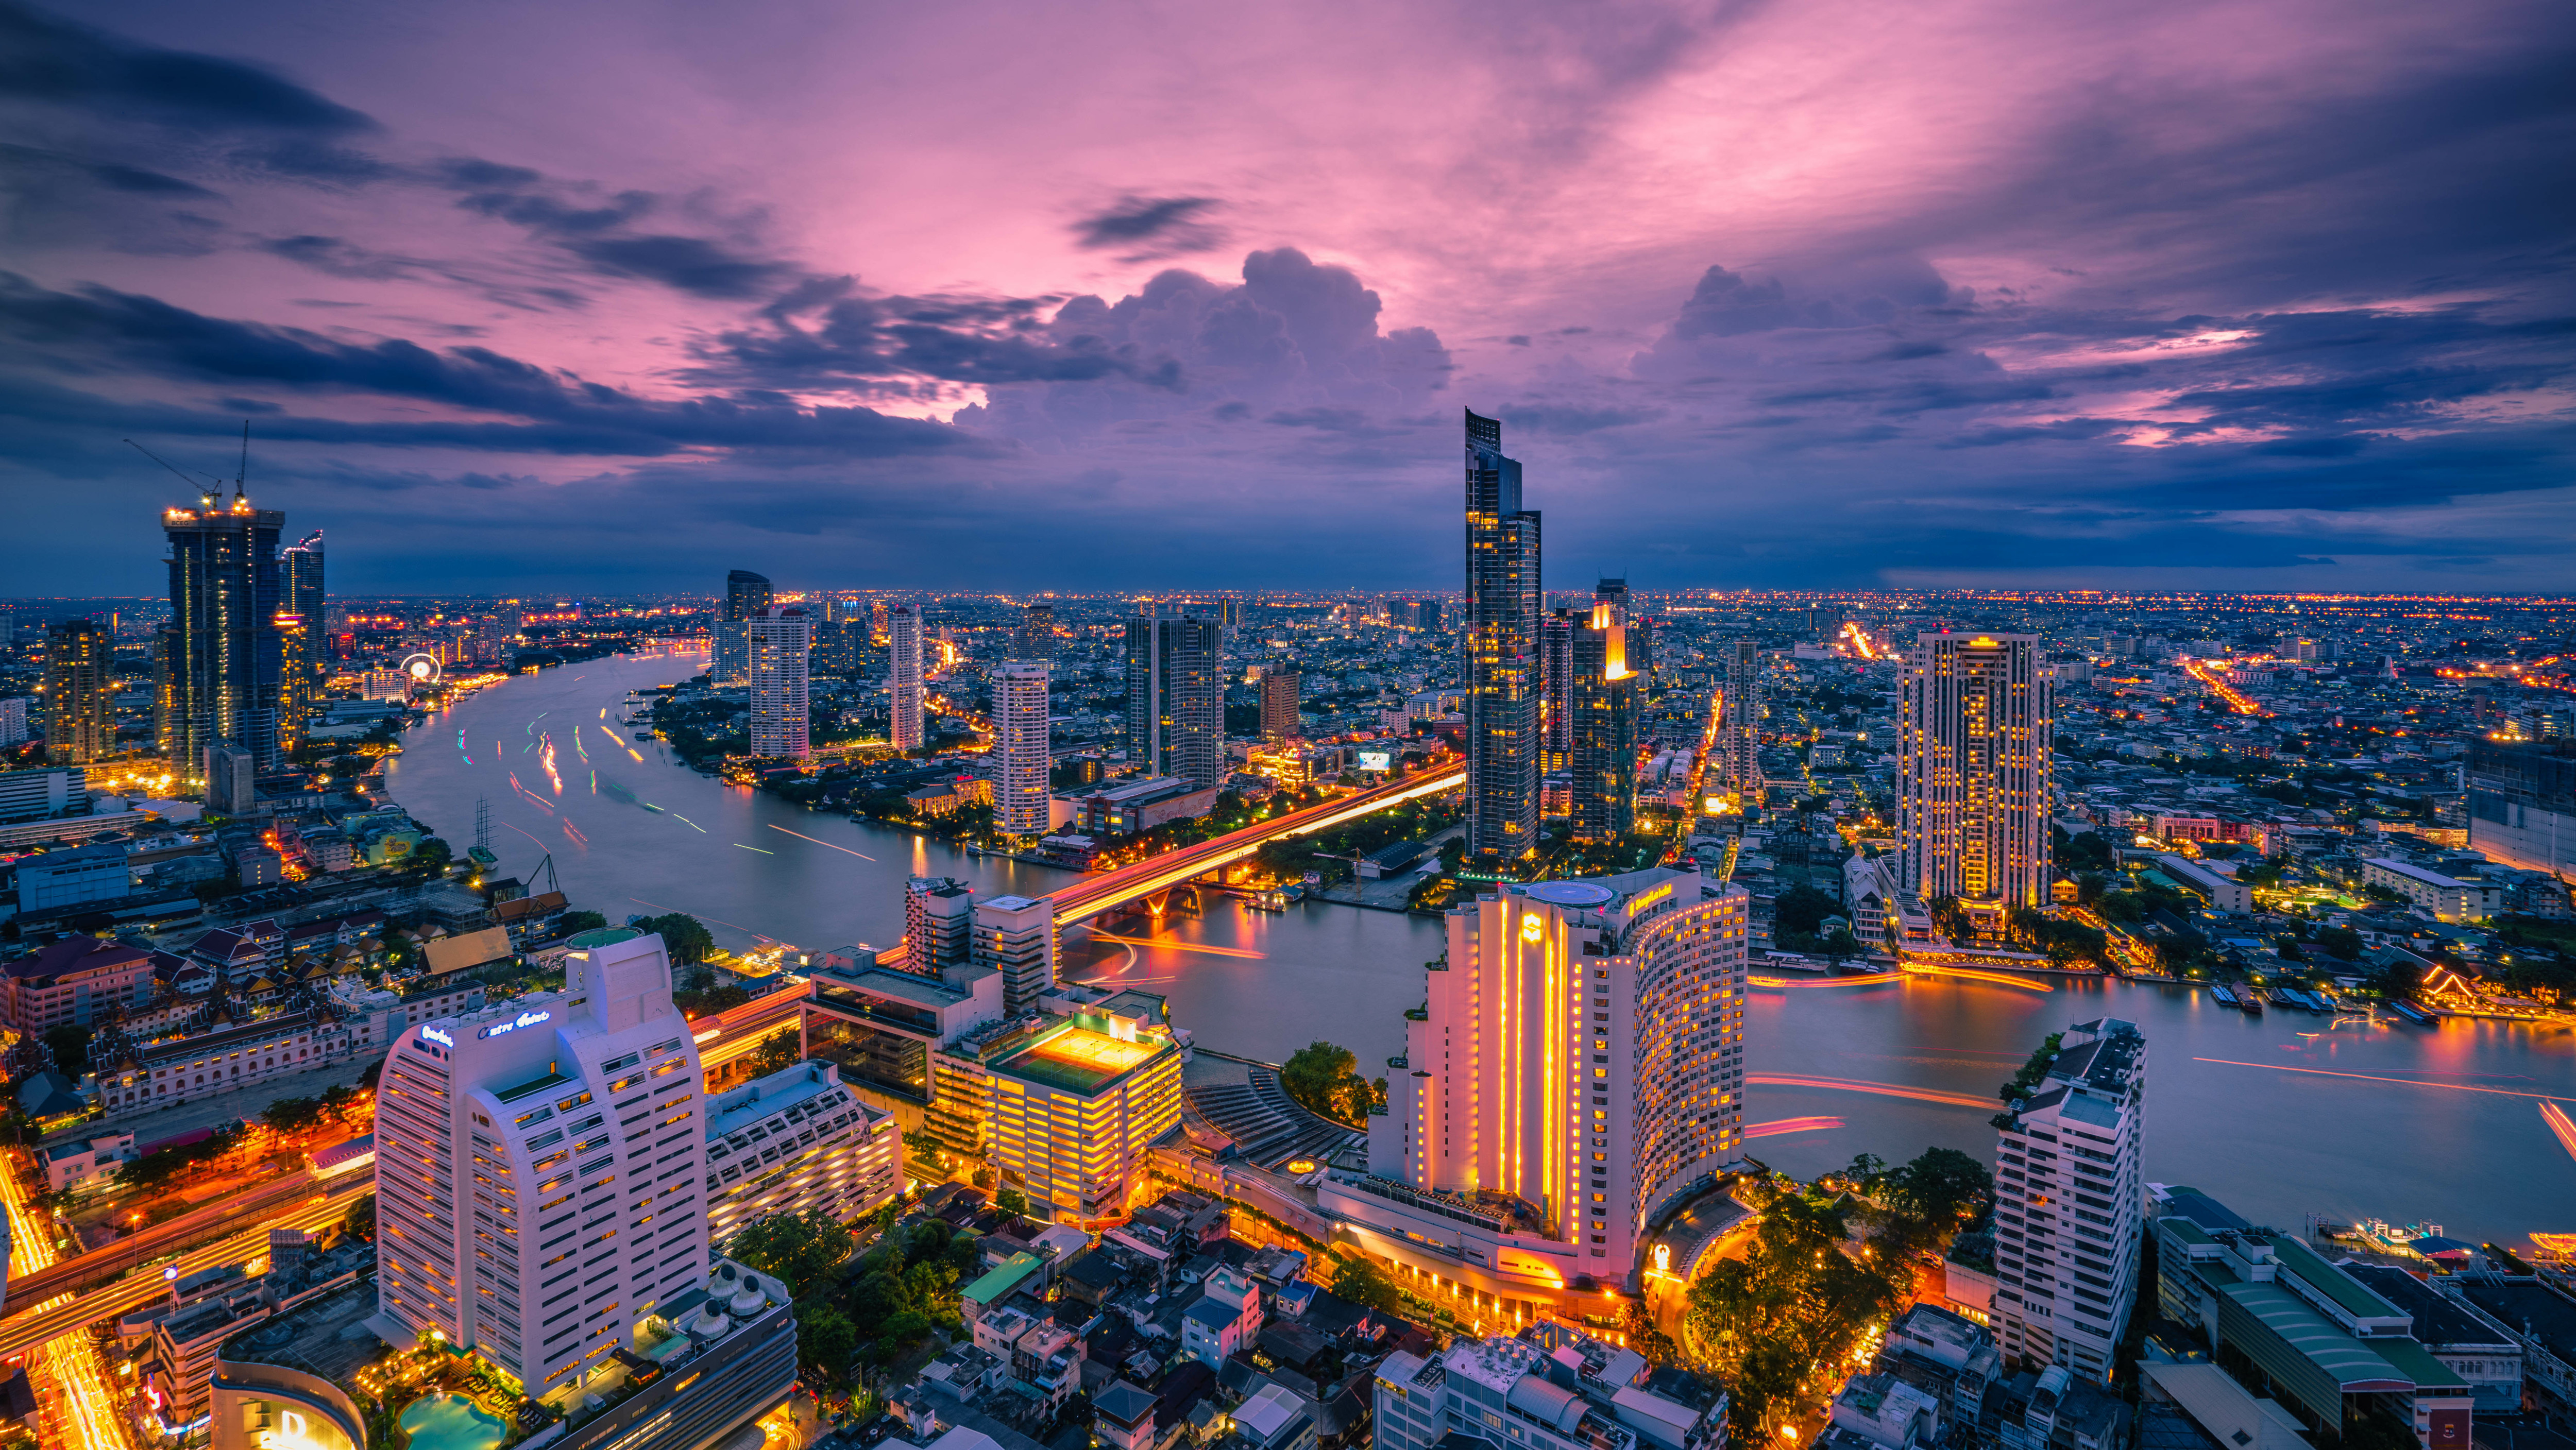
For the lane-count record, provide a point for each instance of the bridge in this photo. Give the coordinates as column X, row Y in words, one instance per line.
column 1157, row 875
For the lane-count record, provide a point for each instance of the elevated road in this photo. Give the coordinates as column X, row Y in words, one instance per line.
column 1109, row 890
column 736, row 1031
column 215, row 1220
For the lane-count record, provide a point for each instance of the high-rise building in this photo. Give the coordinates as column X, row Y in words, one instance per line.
column 1739, row 739
column 299, row 679
column 80, row 692
column 1064, row 1106
column 501, row 1130
column 1580, row 1059
column 1605, row 710
column 1176, row 695
column 938, row 924
column 230, row 770
column 13, row 720
column 1036, row 634
column 1503, row 682
column 827, row 1151
column 300, row 565
column 1020, row 755
column 2069, row 1202
column 903, row 676
column 1556, row 691
column 782, row 653
column 746, row 594
column 1015, row 936
column 2522, row 803
column 224, row 599
column 1280, row 685
column 1973, row 765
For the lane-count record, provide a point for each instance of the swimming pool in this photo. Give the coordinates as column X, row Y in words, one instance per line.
column 451, row 1422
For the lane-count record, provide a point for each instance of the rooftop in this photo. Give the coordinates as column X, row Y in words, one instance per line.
column 1077, row 1058
column 765, row 1097
column 316, row 1338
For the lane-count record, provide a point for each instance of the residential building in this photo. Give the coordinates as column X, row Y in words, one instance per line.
column 1020, row 755
column 746, row 595
column 1036, row 638
column 1604, row 700
column 1176, row 695
column 223, row 653
column 938, row 924
column 1739, row 743
column 230, row 771
column 34, row 795
column 1226, row 1319
column 1015, row 936
column 2068, row 1199
column 1548, row 1388
column 2443, row 897
column 2522, row 804
column 1580, row 1060
column 1503, row 606
column 74, row 981
column 1556, row 692
column 904, row 680
column 797, row 1141
column 85, row 1163
column 183, row 1364
column 298, row 683
column 1063, row 1105
column 1973, row 772
column 13, row 720
column 1280, row 686
column 781, row 644
column 80, row 692
column 575, row 1107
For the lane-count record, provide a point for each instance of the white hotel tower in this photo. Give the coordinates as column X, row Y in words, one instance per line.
column 1579, row 1063
column 540, row 1168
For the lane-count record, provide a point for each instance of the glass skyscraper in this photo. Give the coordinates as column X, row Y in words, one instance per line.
column 1176, row 695
column 224, row 654
column 1503, row 679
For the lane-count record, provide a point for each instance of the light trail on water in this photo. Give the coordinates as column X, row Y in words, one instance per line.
column 2556, row 1117
column 800, row 835
column 2457, row 1087
column 1881, row 1089
column 1168, row 944
column 1973, row 975
column 1823, row 982
column 1778, row 1126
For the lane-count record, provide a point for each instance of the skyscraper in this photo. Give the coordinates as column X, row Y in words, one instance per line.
column 502, row 1129
column 1739, row 739
column 1036, row 634
column 1176, row 695
column 1503, row 682
column 1015, row 936
column 1605, row 707
column 299, row 677
column 1556, row 692
column 225, row 594
column 938, row 921
column 301, row 565
column 80, row 698
column 1973, row 764
column 2069, row 1200
column 903, row 675
column 746, row 594
column 1280, row 687
column 1582, row 1052
column 781, row 639
column 1020, row 757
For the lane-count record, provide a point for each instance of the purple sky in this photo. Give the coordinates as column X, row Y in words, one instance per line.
column 2263, row 294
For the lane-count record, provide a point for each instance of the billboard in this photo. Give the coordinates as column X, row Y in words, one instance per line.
column 1378, row 760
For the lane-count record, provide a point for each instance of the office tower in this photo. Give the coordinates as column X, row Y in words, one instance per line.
column 877, row 626
column 1973, row 762
column 502, row 1129
column 2068, row 1199
column 1176, row 695
column 1036, row 634
column 827, row 1152
column 1020, row 756
column 1605, row 709
column 1582, row 1052
column 781, row 639
column 229, row 771
column 1229, row 614
column 2522, row 803
column 1613, row 592
column 299, row 680
column 300, row 568
column 1556, row 691
column 938, row 924
column 224, row 599
column 1015, row 936
column 1280, row 687
column 746, row 594
column 1739, row 741
column 80, row 693
column 1503, row 683
column 903, row 676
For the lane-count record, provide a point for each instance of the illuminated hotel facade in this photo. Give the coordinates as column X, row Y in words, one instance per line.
column 903, row 676
column 1504, row 684
column 1020, row 796
column 1974, row 759
column 1064, row 1105
column 1577, row 1064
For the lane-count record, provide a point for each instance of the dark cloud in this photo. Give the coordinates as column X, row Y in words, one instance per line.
column 47, row 60
column 1147, row 228
column 693, row 265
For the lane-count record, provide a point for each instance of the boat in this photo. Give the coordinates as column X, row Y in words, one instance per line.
column 2222, row 996
column 2414, row 1014
column 2249, row 1000
column 482, row 856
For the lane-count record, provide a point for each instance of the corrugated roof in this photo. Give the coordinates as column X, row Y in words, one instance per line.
column 2325, row 1345
column 2330, row 1281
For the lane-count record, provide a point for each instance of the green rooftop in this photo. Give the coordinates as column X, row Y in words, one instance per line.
column 2330, row 1281
column 994, row 1287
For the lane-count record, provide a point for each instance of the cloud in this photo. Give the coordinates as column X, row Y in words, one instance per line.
column 49, row 61
column 1149, row 228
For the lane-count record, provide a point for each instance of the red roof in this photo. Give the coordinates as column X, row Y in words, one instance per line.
column 75, row 954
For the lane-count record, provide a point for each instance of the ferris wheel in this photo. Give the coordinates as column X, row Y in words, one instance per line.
column 421, row 669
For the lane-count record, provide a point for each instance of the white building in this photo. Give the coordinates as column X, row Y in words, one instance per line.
column 1548, row 1389
column 1020, row 798
column 1973, row 771
column 797, row 1140
column 13, row 720
column 1581, row 1056
column 781, row 652
column 540, row 1170
column 1739, row 741
column 2069, row 1202
column 903, row 675
column 1015, row 936
column 2447, row 898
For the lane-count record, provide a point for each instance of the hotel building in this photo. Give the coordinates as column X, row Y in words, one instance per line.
column 540, row 1169
column 1973, row 765
column 1578, row 1064
column 1021, row 800
column 780, row 642
column 797, row 1140
column 904, row 678
column 2069, row 1202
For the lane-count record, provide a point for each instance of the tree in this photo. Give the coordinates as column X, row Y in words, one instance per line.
column 826, row 1340
column 1324, row 1077
column 1012, row 1200
column 801, row 1249
column 432, row 852
column 573, row 921
column 292, row 1115
column 1950, row 917
column 777, row 1051
column 361, row 1222
column 683, row 935
column 1646, row 1337
column 1792, row 1307
column 1802, row 909
column 1941, row 1184
column 2087, row 852
column 1358, row 1279
column 70, row 1044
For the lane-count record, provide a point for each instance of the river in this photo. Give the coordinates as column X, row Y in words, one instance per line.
column 2279, row 1116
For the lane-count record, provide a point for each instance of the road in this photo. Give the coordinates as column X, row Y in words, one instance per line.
column 70, row 1276
column 75, row 1403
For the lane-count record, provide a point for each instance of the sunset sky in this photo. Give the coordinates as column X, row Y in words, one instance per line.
column 605, row 297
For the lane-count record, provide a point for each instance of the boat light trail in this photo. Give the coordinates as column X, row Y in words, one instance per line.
column 747, row 848
column 1973, row 975
column 529, row 834
column 576, row 835
column 1823, row 981
column 684, row 820
column 800, row 835
column 1778, row 1126
column 1882, row 1089
column 2556, row 1117
column 2457, row 1087
column 1168, row 944
column 638, row 754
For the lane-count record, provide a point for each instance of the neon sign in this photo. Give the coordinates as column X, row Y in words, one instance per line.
column 524, row 1019
column 1532, row 926
column 432, row 1034
column 1649, row 898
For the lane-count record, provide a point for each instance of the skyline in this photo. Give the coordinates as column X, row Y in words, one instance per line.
column 1964, row 296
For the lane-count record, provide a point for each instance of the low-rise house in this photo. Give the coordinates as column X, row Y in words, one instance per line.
column 86, row 1164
